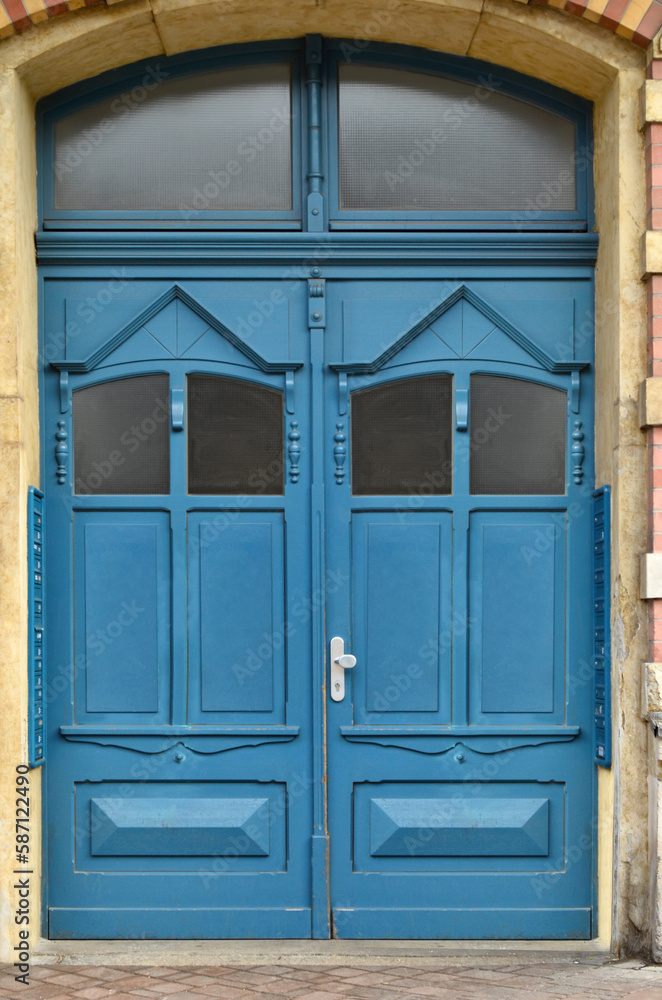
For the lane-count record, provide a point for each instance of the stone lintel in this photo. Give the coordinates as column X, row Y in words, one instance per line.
column 650, row 582
column 650, row 97
column 650, row 402
column 651, row 252
column 651, row 693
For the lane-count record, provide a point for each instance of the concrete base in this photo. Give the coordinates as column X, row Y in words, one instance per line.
column 187, row 953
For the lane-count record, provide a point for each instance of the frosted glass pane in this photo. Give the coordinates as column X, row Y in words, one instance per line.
column 412, row 141
column 210, row 142
column 402, row 435
column 122, row 436
column 235, row 437
column 518, row 436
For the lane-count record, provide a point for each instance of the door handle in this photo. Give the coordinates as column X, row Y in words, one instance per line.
column 340, row 662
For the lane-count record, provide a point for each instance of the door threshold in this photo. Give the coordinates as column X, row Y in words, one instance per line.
column 305, row 952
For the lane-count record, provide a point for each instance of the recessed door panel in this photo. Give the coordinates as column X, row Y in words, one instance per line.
column 237, row 628
column 170, row 826
column 454, row 826
column 517, row 609
column 402, row 615
column 122, row 615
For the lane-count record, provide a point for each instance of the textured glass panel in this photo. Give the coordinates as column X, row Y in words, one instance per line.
column 122, row 437
column 402, row 437
column 413, row 141
column 518, row 436
column 208, row 142
column 235, row 436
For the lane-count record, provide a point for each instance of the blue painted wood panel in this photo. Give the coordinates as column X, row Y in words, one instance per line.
column 517, row 610
column 491, row 803
column 453, row 827
column 434, row 827
column 237, row 628
column 602, row 623
column 36, row 640
column 122, row 594
column 401, row 614
column 180, row 757
column 172, row 826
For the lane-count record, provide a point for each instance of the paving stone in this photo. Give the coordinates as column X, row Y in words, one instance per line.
column 160, row 971
column 580, row 979
column 647, row 993
column 192, row 980
column 110, row 974
column 93, row 992
column 66, row 979
column 220, row 991
column 184, row 995
column 371, row 979
column 323, row 995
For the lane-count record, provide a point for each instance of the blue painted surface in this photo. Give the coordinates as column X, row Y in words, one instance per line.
column 183, row 827
column 36, row 641
column 602, row 624
column 122, row 575
column 237, row 626
column 517, row 612
column 433, row 827
column 181, row 741
column 466, row 701
column 497, row 793
column 402, row 589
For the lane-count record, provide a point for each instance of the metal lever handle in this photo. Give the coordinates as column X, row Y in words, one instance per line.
column 340, row 662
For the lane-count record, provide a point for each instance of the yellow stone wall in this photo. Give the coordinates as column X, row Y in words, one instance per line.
column 536, row 40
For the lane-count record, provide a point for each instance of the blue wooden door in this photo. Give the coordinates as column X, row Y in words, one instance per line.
column 458, row 487
column 178, row 572
column 185, row 601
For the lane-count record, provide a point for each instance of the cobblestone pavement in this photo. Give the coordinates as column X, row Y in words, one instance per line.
column 454, row 979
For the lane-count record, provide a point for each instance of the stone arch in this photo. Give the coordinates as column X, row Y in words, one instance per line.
column 634, row 21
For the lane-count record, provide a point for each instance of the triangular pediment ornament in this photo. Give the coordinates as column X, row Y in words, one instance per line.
column 462, row 292
column 145, row 317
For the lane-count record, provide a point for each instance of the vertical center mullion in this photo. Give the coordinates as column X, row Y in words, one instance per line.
column 461, row 516
column 179, row 548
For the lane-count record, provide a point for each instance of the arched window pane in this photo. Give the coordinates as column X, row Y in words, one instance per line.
column 235, row 437
column 211, row 142
column 518, row 436
column 402, row 437
column 121, row 436
column 413, row 141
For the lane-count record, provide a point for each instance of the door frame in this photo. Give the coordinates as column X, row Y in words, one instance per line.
column 308, row 257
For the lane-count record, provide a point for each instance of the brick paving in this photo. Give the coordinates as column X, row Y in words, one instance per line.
column 456, row 979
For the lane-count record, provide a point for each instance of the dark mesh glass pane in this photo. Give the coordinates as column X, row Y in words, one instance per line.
column 210, row 142
column 413, row 141
column 122, row 436
column 518, row 436
column 235, row 436
column 402, row 437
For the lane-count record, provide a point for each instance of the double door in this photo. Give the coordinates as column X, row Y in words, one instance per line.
column 318, row 599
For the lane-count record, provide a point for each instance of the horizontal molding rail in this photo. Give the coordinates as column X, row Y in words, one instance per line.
column 329, row 248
